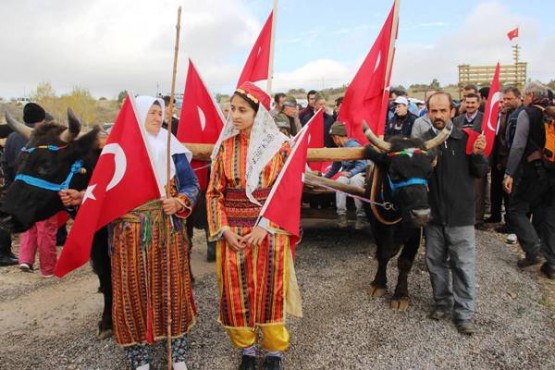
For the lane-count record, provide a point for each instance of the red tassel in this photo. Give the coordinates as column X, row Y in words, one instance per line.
column 149, row 331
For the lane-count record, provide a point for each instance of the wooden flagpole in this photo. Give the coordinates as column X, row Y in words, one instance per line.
column 168, row 192
column 271, row 62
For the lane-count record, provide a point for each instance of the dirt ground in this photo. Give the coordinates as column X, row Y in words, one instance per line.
column 49, row 323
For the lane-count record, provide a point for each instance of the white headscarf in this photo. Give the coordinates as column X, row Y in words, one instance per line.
column 157, row 144
column 265, row 141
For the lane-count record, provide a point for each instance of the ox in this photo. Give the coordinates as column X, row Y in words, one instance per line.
column 55, row 158
column 397, row 188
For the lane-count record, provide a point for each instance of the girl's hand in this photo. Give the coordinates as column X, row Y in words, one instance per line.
column 234, row 241
column 70, row 197
column 256, row 236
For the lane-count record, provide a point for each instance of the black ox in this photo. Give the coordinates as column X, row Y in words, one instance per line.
column 397, row 188
column 51, row 153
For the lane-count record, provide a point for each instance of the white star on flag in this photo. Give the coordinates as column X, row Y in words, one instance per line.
column 89, row 193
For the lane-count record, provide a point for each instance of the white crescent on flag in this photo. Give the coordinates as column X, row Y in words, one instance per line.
column 120, row 161
column 494, row 100
column 378, row 61
column 202, row 118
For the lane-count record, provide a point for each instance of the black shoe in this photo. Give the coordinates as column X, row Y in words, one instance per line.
column 466, row 327
column 439, row 313
column 480, row 226
column 503, row 229
column 548, row 271
column 273, row 363
column 492, row 220
column 248, row 363
column 8, row 260
column 528, row 261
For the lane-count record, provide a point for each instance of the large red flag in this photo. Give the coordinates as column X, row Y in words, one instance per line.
column 367, row 96
column 257, row 65
column 124, row 164
column 491, row 117
column 512, row 34
column 288, row 188
column 317, row 138
column 201, row 119
column 491, row 113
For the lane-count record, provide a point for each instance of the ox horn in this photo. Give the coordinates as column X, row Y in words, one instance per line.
column 18, row 127
column 379, row 143
column 439, row 139
column 74, row 127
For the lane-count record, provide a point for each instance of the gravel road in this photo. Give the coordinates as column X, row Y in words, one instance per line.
column 50, row 324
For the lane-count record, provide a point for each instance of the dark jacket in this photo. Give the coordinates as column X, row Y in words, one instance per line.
column 398, row 125
column 14, row 143
column 452, row 181
column 476, row 124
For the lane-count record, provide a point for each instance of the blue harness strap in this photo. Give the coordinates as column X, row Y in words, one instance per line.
column 47, row 185
column 401, row 184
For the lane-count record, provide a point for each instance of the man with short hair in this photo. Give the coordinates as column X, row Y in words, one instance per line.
column 279, row 98
column 472, row 119
column 531, row 184
column 450, row 235
column 309, row 109
column 500, row 155
column 467, row 89
column 352, row 172
column 170, row 115
column 422, row 123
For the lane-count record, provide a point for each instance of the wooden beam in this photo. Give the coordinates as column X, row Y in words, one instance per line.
column 202, row 152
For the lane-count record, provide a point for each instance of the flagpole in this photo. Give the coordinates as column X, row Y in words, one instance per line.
column 168, row 193
column 271, row 62
column 391, row 52
column 394, row 29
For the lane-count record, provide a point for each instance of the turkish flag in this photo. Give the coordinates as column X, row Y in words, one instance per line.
column 288, row 188
column 201, row 120
column 258, row 63
column 317, row 137
column 512, row 34
column 491, row 116
column 122, row 180
column 366, row 97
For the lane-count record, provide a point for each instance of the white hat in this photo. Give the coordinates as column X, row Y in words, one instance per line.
column 401, row 100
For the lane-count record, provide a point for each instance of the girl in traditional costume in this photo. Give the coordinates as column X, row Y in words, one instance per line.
column 149, row 243
column 256, row 278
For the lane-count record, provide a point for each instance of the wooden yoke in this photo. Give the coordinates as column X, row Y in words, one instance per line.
column 201, row 152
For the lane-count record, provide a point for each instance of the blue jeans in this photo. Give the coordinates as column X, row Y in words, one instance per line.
column 451, row 260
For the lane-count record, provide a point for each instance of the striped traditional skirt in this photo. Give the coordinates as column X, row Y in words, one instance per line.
column 253, row 283
column 146, row 252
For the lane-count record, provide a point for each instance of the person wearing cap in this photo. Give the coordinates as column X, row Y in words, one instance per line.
column 288, row 119
column 254, row 265
column 402, row 120
column 352, row 172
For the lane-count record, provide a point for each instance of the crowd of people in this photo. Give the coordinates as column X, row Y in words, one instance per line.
column 254, row 263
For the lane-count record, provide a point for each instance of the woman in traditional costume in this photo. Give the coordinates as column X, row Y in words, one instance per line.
column 256, row 278
column 149, row 243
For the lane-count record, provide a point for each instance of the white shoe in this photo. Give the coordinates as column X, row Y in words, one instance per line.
column 144, row 367
column 179, row 366
column 511, row 239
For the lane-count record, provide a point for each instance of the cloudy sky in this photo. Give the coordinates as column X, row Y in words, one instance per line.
column 111, row 45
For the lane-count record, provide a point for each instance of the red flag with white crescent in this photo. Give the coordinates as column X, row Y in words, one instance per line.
column 124, row 164
column 512, row 34
column 366, row 97
column 201, row 120
column 491, row 116
column 288, row 188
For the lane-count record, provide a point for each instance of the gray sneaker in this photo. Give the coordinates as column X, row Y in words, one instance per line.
column 361, row 224
column 511, row 239
column 342, row 222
